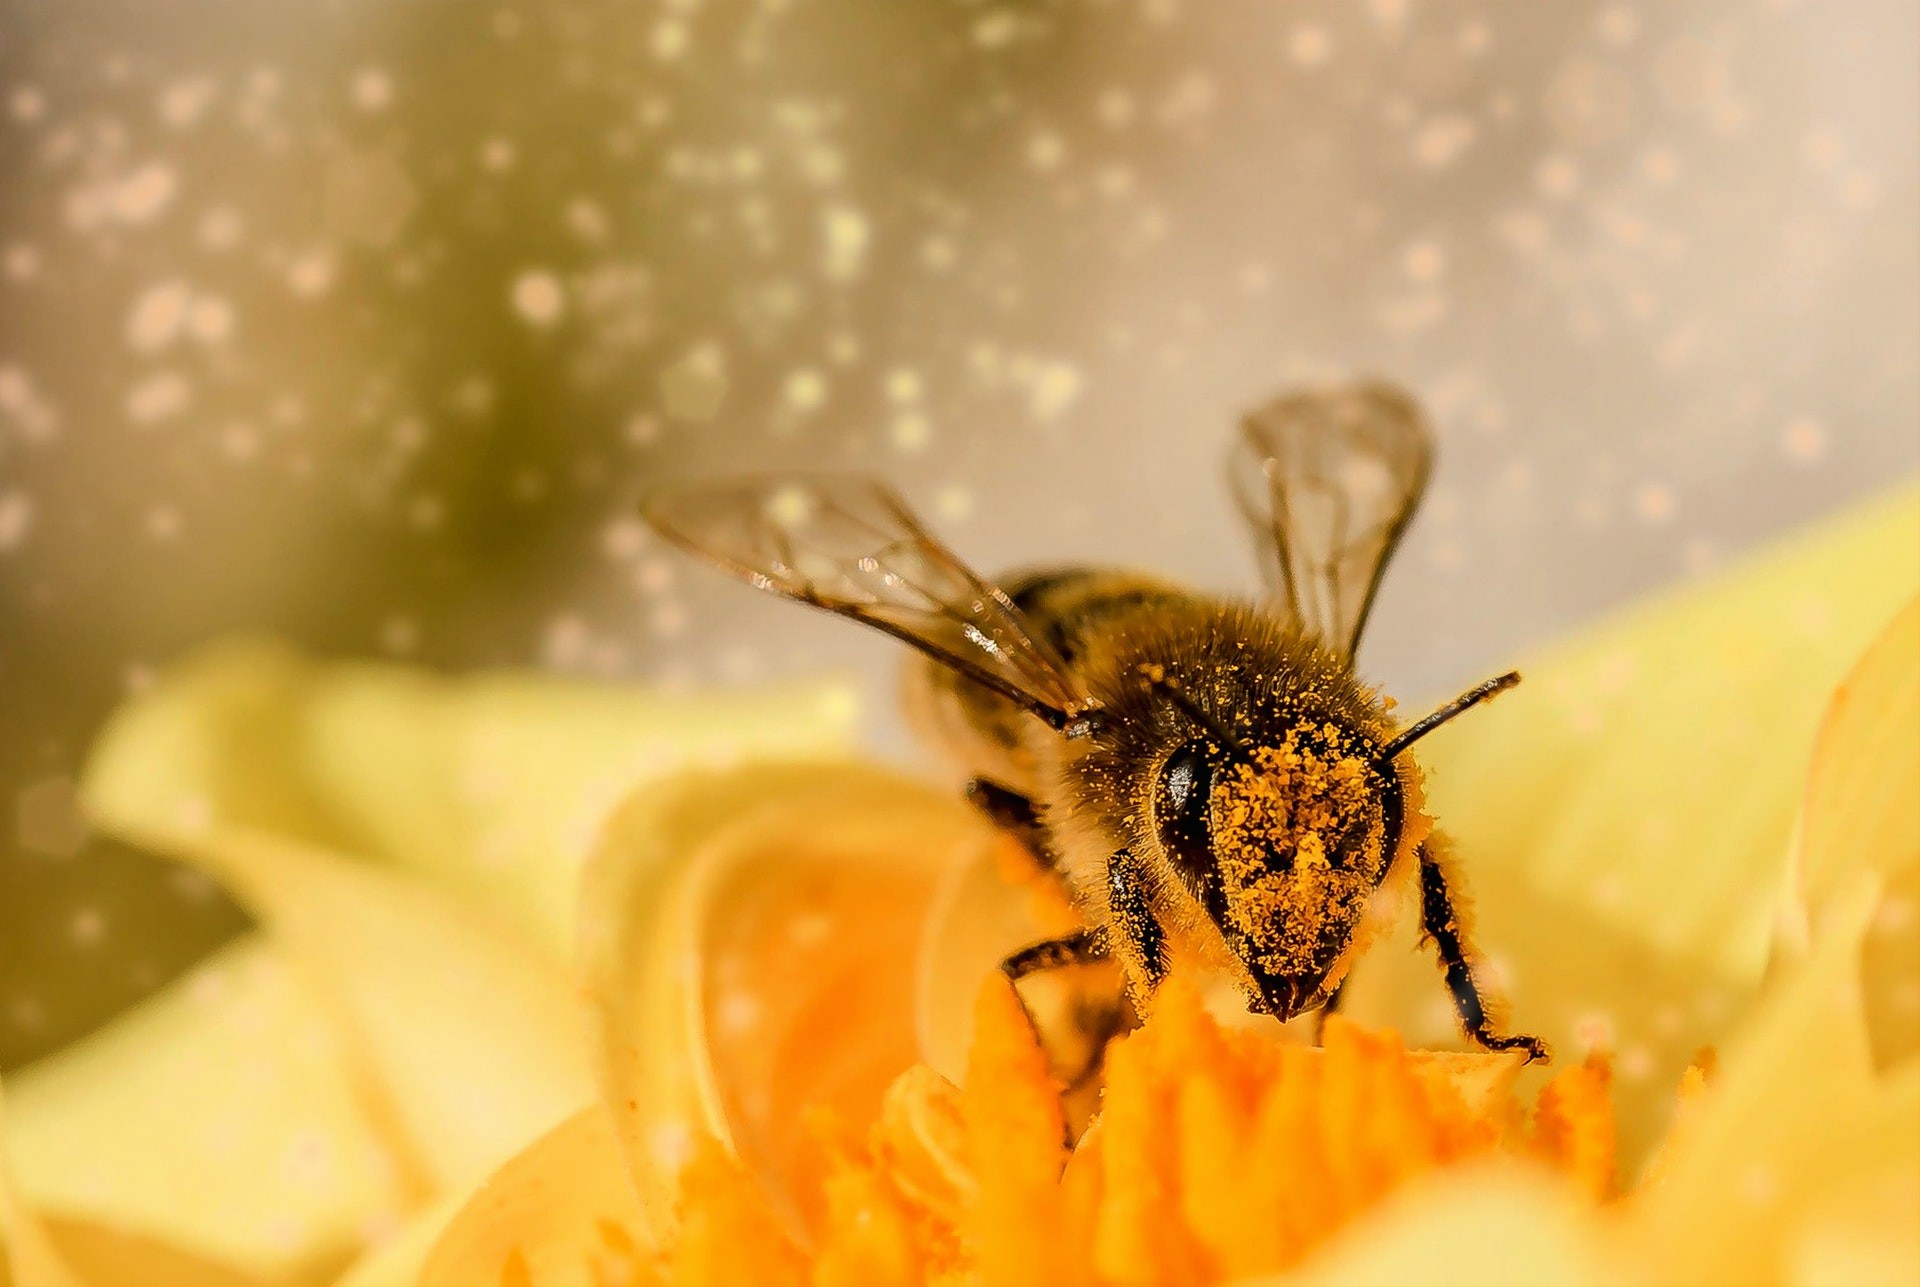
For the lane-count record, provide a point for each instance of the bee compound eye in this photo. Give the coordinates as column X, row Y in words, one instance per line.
column 1183, row 807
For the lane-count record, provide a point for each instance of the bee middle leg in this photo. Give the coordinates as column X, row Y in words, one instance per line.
column 1442, row 924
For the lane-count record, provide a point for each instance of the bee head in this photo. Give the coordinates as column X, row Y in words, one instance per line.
column 1296, row 837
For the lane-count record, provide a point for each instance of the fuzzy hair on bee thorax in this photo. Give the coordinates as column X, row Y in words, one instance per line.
column 1302, row 822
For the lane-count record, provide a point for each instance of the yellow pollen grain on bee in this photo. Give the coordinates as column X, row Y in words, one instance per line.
column 1281, row 819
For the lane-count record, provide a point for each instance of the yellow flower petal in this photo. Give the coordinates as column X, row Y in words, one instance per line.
column 1861, row 810
column 28, row 1257
column 1622, row 819
column 218, row 1117
column 762, row 922
column 1862, row 813
column 99, row 1255
column 302, row 787
column 464, row 1044
column 1497, row 1226
column 398, row 1258
column 1795, row 1119
column 560, row 1212
column 491, row 786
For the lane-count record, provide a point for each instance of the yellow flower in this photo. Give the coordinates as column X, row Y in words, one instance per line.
column 791, row 1071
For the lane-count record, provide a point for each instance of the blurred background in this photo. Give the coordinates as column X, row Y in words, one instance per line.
column 366, row 323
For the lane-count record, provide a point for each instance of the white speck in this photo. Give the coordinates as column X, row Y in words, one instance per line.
column 157, row 316
column 904, row 385
column 221, row 228
column 670, row 39
column 1309, row 46
column 145, row 193
column 737, row 1013
column 937, row 253
column 538, row 298
column 1045, row 151
column 163, row 523
column 87, row 927
column 668, row 620
column 790, row 506
column 210, row 320
column 671, row 1144
column 28, row 103
column 565, row 643
column 1759, row 1186
column 694, row 387
column 1441, row 141
column 372, row 89
column 1654, row 502
column 806, row 389
column 1557, row 177
column 1804, row 440
column 240, row 440
column 810, row 929
column 1618, row 25
column 311, row 273
column 911, row 432
column 1424, row 261
column 497, row 154
column 997, row 29
column 184, row 101
column 846, row 233
column 22, row 262
column 399, row 634
column 1053, row 388
column 16, row 518
column 159, row 396
column 953, row 502
column 623, row 537
column 587, row 220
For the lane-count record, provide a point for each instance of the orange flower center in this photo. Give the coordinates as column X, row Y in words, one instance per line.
column 1219, row 1154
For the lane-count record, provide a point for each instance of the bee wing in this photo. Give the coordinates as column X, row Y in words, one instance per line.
column 850, row 545
column 1330, row 478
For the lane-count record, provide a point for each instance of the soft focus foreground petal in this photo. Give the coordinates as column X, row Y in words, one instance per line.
column 1862, row 813
column 1797, row 1120
column 491, row 786
column 1622, row 819
column 1862, row 804
column 560, row 1213
column 27, row 1254
column 747, row 941
column 1490, row 1226
column 466, row 1044
column 398, row 1257
column 216, row 1116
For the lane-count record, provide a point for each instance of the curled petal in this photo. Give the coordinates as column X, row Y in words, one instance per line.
column 747, row 941
column 559, row 1212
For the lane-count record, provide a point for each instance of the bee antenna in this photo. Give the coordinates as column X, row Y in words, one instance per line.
column 1459, row 705
column 1157, row 677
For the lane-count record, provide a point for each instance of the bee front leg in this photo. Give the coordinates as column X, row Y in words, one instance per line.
column 1327, row 1011
column 1442, row 924
column 1014, row 814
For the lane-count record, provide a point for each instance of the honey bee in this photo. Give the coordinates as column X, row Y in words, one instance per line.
column 1206, row 777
